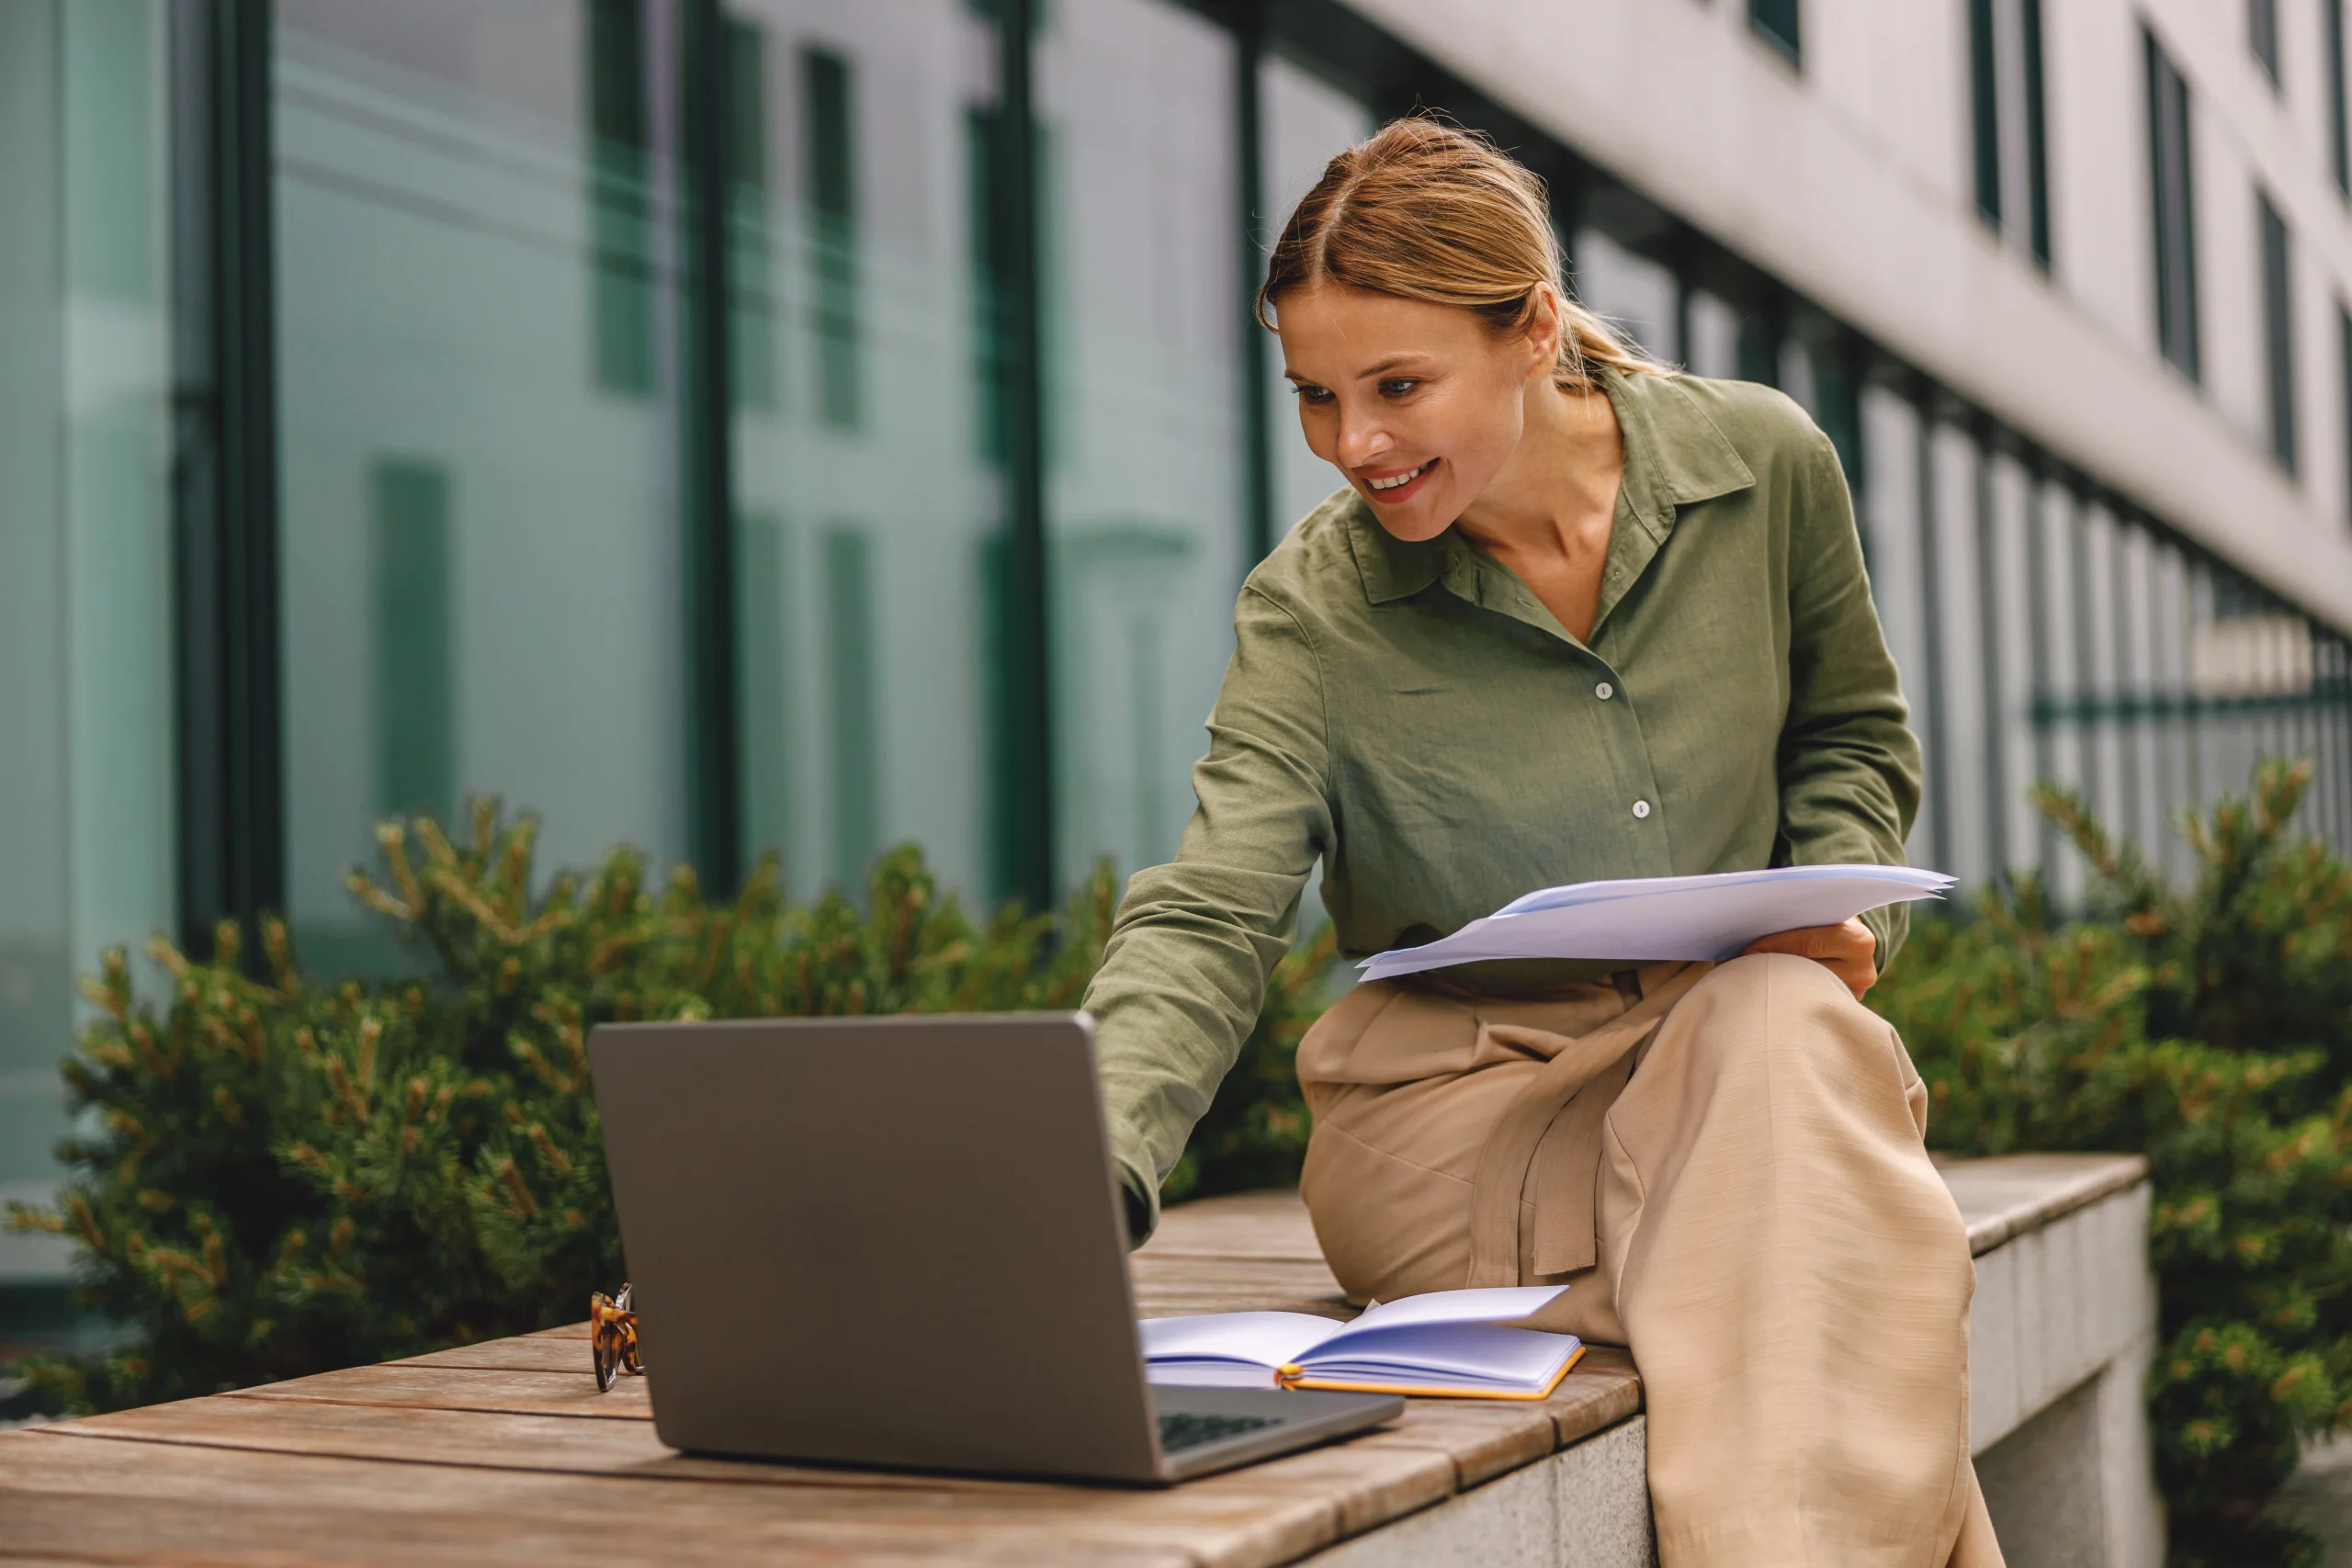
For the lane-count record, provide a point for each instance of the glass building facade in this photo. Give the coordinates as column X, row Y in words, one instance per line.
column 806, row 426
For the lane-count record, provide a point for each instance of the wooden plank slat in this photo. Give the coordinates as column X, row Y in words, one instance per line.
column 524, row 1353
column 445, row 1387
column 1248, row 1518
column 1268, row 1224
column 1170, row 1287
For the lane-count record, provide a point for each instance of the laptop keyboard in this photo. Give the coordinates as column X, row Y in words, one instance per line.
column 1185, row 1430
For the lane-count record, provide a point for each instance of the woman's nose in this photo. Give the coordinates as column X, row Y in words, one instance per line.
column 1361, row 443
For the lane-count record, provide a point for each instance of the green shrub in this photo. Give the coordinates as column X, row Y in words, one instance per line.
column 2210, row 1029
column 292, row 1174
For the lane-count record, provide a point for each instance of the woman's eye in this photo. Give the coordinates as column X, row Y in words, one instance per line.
column 1313, row 396
column 1398, row 386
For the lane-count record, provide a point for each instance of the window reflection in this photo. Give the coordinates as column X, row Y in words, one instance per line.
column 867, row 436
column 477, row 305
column 1144, row 414
column 87, row 847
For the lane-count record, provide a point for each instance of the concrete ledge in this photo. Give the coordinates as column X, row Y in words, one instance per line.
column 2011, row 1194
column 1586, row 1507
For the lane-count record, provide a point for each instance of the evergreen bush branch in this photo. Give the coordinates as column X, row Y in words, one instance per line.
column 2210, row 1029
column 303, row 1172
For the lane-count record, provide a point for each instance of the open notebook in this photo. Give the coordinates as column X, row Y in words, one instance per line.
column 1449, row 1342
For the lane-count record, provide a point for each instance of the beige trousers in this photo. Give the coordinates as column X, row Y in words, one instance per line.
column 1725, row 1163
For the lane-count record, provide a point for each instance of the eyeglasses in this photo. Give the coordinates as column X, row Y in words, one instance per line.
column 611, row 1338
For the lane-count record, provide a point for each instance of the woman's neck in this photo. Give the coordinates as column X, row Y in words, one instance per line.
column 1553, row 501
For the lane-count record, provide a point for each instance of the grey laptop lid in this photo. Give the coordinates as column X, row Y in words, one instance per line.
column 880, row 1241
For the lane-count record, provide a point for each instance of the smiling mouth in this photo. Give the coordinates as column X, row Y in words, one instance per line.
column 1400, row 481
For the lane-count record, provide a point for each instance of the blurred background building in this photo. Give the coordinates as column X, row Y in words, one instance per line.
column 725, row 426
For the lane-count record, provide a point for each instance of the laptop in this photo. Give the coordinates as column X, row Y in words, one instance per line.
column 900, row 1242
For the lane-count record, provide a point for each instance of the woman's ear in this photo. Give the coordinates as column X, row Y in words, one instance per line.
column 1543, row 328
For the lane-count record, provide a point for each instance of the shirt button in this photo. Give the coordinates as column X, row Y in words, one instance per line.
column 1604, row 691
column 1641, row 808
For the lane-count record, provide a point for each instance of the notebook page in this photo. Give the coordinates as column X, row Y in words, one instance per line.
column 1470, row 1353
column 1267, row 1339
column 1500, row 1304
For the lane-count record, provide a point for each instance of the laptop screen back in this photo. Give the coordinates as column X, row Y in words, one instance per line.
column 880, row 1241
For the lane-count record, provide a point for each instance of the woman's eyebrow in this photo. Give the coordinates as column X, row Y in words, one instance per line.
column 1391, row 362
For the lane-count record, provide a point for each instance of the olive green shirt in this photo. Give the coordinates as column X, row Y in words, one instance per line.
column 1413, row 717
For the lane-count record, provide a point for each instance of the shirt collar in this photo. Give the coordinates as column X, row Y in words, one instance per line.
column 1675, row 455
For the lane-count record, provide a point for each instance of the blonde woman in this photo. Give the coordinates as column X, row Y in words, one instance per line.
column 1575, row 615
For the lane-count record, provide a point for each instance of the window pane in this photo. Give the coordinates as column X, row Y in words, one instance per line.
column 1144, row 481
column 2009, row 626
column 2278, row 329
column 2144, row 802
column 477, row 295
column 1776, row 20
column 2064, row 750
column 87, row 846
column 2175, row 740
column 1714, row 348
column 2174, row 207
column 2100, row 629
column 1970, row 777
column 2262, row 35
column 869, row 508
column 1889, row 508
column 1305, row 122
column 1634, row 294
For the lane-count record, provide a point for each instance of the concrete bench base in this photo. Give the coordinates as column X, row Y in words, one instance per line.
column 1588, row 1507
column 2060, row 1336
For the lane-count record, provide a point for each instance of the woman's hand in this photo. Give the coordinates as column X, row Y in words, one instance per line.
column 1849, row 950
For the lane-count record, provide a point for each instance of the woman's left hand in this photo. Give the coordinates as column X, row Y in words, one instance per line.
column 1848, row 951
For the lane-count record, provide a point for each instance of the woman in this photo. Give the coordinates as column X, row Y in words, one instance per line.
column 1574, row 616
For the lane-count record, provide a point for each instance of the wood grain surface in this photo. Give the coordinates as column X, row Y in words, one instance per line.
column 505, row 1453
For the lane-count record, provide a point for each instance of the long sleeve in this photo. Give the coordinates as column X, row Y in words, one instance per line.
column 1849, row 765
column 1185, row 970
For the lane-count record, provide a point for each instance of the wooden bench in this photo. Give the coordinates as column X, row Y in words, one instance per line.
column 505, row 1453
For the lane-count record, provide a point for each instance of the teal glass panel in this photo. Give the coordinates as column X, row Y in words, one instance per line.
column 1305, row 123
column 850, row 708
column 829, row 143
column 415, row 770
column 87, row 842
column 1145, row 499
column 869, row 492
column 766, row 688
column 482, row 586
column 619, row 196
column 750, row 265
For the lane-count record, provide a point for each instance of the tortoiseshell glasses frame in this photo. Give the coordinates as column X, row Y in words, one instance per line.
column 611, row 1338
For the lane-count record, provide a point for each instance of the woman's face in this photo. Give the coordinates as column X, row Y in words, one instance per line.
column 1419, row 405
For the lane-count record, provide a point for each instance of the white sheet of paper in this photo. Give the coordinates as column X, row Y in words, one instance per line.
column 1656, row 918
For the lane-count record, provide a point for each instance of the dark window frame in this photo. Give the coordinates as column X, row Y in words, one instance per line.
column 1988, row 128
column 2276, row 249
column 2262, row 37
column 1780, row 23
column 2344, row 388
column 2339, row 100
column 2173, row 208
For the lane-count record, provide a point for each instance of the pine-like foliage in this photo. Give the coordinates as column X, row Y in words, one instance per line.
column 2210, row 1029
column 293, row 1174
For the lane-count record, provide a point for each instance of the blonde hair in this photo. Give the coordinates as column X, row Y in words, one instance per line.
column 1426, row 211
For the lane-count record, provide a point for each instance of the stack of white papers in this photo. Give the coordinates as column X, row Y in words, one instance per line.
column 1649, row 919
column 1447, row 1342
